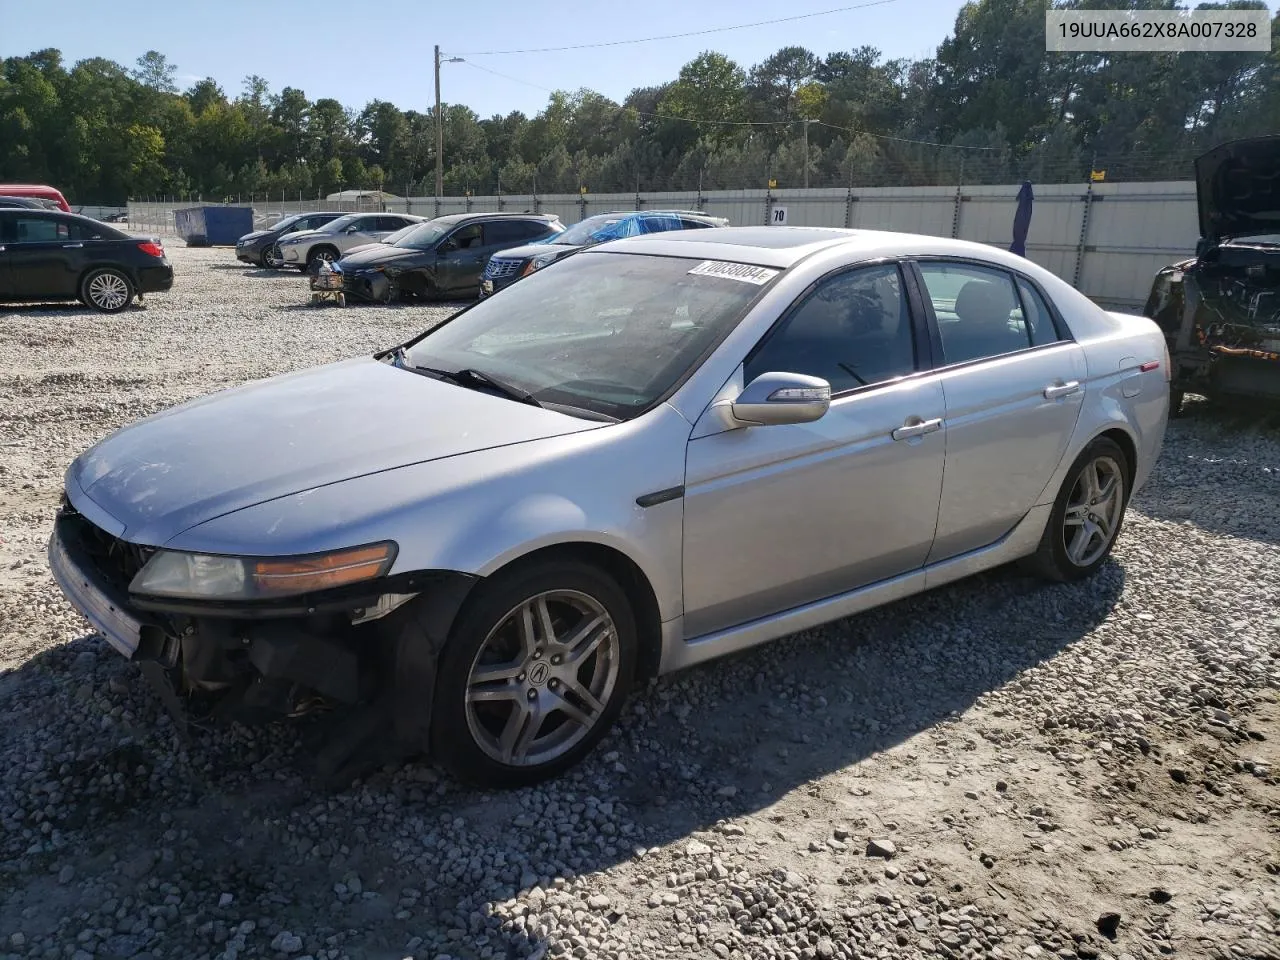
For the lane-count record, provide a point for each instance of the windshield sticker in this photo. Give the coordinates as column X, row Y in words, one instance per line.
column 734, row 271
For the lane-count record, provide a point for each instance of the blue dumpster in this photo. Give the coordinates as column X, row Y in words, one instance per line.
column 213, row 226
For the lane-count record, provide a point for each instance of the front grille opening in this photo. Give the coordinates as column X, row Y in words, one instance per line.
column 117, row 560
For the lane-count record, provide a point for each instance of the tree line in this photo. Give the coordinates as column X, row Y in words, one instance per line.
column 990, row 106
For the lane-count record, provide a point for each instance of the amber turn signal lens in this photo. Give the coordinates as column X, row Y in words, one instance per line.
column 306, row 574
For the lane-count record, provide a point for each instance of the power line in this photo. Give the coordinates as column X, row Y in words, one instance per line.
column 679, row 36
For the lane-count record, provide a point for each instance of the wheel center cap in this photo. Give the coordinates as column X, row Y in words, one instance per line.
column 539, row 672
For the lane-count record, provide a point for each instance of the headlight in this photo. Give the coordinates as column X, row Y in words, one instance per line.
column 537, row 263
column 203, row 577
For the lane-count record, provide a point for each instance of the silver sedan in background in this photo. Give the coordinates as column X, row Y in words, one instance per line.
column 656, row 452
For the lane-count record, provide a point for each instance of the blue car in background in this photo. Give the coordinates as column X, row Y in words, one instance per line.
column 508, row 266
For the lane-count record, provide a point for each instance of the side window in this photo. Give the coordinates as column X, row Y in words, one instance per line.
column 467, row 237
column 507, row 232
column 688, row 224
column 82, row 232
column 853, row 330
column 975, row 308
column 42, row 230
column 532, row 229
column 1035, row 315
column 660, row 223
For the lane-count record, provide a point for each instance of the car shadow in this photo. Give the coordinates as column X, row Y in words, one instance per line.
column 258, row 273
column 1181, row 486
column 720, row 742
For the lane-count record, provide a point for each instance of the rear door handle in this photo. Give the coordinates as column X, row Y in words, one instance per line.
column 1056, row 390
column 72, row 246
column 917, row 429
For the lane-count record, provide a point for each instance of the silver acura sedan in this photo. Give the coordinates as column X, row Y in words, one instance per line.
column 658, row 451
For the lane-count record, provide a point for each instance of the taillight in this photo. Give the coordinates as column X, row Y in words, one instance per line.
column 151, row 249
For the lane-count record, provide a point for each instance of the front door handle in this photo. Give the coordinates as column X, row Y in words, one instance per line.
column 72, row 246
column 1056, row 390
column 915, row 427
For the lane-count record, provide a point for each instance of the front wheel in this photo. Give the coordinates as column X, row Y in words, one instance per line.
column 317, row 257
column 1086, row 516
column 107, row 290
column 535, row 672
column 272, row 258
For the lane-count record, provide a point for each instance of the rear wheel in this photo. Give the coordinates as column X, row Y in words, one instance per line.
column 106, row 289
column 1086, row 516
column 534, row 673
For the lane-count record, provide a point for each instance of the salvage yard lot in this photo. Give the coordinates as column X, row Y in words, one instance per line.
column 1030, row 758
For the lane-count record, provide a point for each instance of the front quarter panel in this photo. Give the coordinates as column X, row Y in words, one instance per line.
column 477, row 512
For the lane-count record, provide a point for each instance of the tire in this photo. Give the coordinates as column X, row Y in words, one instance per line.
column 481, row 729
column 106, row 290
column 1063, row 555
column 321, row 254
column 271, row 258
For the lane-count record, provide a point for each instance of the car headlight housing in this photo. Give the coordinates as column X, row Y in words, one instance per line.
column 198, row 576
column 537, row 263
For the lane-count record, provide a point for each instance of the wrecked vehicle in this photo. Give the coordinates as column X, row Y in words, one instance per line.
column 664, row 450
column 1220, row 311
column 442, row 258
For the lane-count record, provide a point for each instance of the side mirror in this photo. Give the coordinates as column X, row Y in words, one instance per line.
column 447, row 246
column 772, row 399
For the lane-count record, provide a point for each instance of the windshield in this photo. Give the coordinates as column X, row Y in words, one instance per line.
column 605, row 333
column 598, row 229
column 420, row 236
column 336, row 226
column 285, row 221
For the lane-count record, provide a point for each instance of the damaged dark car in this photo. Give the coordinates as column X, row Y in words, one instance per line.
column 1220, row 311
column 443, row 258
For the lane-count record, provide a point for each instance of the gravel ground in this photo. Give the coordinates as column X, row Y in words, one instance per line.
column 997, row 768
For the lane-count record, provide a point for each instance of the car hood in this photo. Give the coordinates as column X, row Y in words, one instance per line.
column 301, row 431
column 256, row 235
column 370, row 254
column 1237, row 190
column 537, row 249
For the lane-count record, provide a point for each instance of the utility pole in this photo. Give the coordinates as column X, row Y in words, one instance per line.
column 439, row 133
column 440, row 126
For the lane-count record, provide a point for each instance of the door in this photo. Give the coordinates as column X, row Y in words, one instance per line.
column 461, row 258
column 1014, row 387
column 780, row 516
column 45, row 257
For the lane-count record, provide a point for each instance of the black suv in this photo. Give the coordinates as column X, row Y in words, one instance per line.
column 260, row 247
column 1220, row 311
column 442, row 258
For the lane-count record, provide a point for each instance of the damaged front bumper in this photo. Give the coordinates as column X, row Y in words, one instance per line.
column 355, row 653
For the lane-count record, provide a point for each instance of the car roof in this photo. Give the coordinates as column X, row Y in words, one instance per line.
column 452, row 218
column 782, row 247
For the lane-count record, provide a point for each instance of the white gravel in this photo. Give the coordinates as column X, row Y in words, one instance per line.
column 988, row 770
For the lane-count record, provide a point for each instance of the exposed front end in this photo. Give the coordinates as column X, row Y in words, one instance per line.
column 1220, row 315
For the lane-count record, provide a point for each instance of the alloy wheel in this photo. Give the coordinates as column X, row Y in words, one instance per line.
column 1093, row 512
column 542, row 678
column 108, row 291
column 272, row 257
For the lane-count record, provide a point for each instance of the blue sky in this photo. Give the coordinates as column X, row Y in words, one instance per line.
column 356, row 55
